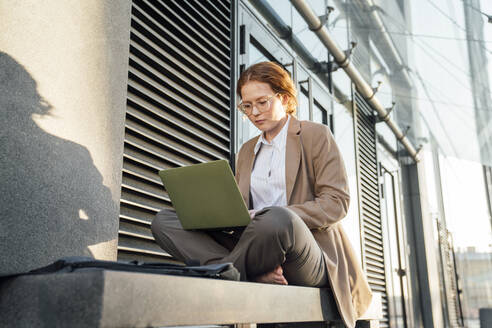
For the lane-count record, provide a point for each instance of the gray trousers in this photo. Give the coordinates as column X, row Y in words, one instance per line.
column 276, row 236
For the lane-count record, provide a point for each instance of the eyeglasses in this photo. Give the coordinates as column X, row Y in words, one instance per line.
column 261, row 105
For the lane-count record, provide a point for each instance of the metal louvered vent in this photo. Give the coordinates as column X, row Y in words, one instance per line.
column 369, row 203
column 178, row 107
column 452, row 296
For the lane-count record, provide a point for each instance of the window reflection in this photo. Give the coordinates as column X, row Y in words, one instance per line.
column 344, row 137
column 248, row 129
column 319, row 114
column 303, row 110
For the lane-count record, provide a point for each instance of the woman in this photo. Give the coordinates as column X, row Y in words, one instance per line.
column 293, row 178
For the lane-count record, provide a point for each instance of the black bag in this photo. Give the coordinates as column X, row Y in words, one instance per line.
column 76, row 263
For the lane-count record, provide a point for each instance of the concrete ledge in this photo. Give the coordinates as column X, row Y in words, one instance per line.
column 99, row 298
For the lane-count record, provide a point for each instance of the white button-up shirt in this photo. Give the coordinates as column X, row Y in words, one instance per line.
column 268, row 175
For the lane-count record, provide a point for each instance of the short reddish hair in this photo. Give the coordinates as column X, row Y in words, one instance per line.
column 276, row 76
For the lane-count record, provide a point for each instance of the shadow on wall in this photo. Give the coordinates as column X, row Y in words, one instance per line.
column 52, row 199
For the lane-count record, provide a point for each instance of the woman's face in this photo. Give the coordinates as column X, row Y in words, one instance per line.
column 272, row 120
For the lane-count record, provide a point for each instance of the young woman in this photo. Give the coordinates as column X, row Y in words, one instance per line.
column 293, row 178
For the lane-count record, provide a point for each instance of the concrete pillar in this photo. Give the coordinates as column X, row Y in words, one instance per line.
column 63, row 80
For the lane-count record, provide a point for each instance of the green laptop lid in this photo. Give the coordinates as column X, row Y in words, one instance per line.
column 206, row 196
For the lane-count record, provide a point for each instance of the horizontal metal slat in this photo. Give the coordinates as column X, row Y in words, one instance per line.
column 369, row 155
column 224, row 7
column 151, row 88
column 371, row 197
column 371, row 194
column 153, row 118
column 377, row 288
column 377, row 282
column 370, row 186
column 370, row 173
column 362, row 110
column 369, row 229
column 166, row 149
column 368, row 200
column 153, row 24
column 366, row 124
column 172, row 137
column 366, row 161
column 369, row 225
column 131, row 179
column 369, row 203
column 153, row 180
column 136, row 149
column 374, row 224
column 373, row 251
column 158, row 117
column 174, row 58
column 209, row 15
column 139, row 250
column 132, row 256
column 374, row 266
column 374, row 260
column 374, row 270
column 212, row 14
column 185, row 37
column 140, row 206
column 367, row 133
column 157, row 145
column 166, row 68
column 363, row 105
column 137, row 215
column 176, row 115
column 366, row 110
column 133, row 234
column 142, row 169
column 374, row 243
column 216, row 10
column 146, row 193
column 135, row 220
column 137, row 195
column 195, row 27
column 370, row 212
column 198, row 14
column 192, row 61
column 145, row 203
column 144, row 71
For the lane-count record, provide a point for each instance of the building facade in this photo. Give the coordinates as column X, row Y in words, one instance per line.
column 100, row 96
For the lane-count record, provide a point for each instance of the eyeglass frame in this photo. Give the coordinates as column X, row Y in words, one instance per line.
column 253, row 105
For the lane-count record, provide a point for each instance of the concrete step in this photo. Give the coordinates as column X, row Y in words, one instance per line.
column 103, row 298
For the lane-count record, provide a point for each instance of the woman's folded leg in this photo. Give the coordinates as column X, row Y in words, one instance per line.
column 185, row 245
column 278, row 236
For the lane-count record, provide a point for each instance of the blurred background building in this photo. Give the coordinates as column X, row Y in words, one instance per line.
column 403, row 85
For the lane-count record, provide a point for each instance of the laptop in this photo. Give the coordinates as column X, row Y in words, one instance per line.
column 206, row 196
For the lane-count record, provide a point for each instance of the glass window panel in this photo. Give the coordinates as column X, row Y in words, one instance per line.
column 344, row 137
column 319, row 114
column 303, row 110
column 246, row 129
column 468, row 220
column 255, row 55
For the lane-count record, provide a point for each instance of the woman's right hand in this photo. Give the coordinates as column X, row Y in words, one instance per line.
column 252, row 214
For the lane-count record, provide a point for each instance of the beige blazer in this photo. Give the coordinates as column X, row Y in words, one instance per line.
column 317, row 190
